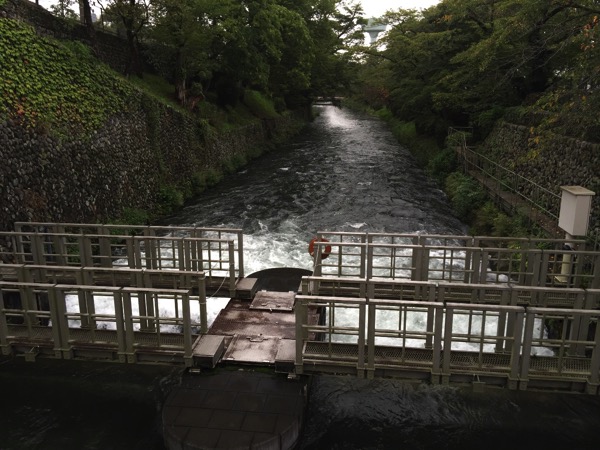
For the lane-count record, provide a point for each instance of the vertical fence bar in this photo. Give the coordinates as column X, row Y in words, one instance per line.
column 594, row 379
column 301, row 318
column 371, row 316
column 62, row 322
column 3, row 326
column 447, row 346
column 128, row 328
column 526, row 350
column 187, row 329
column 232, row 274
column 515, row 356
column 436, row 369
column 202, row 301
column 361, row 341
column 120, row 324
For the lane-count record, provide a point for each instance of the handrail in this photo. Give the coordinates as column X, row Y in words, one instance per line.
column 543, row 199
column 69, row 330
column 493, row 341
column 232, row 234
column 214, row 257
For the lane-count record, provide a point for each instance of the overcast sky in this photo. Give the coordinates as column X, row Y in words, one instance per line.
column 376, row 8
column 372, row 8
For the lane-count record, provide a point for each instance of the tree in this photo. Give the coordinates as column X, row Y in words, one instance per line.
column 64, row 9
column 134, row 15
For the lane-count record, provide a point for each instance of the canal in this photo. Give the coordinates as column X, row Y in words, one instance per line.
column 344, row 172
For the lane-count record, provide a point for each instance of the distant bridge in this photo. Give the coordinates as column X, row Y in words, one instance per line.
column 508, row 312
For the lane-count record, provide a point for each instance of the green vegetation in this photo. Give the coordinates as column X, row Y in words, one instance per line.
column 468, row 63
column 464, row 62
column 42, row 87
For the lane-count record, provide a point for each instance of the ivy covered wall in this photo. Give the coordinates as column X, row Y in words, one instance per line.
column 79, row 143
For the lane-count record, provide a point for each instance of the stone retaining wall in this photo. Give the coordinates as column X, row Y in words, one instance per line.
column 123, row 165
column 112, row 49
column 548, row 160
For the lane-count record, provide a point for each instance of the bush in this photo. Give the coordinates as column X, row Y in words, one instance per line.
column 169, row 199
column 259, row 105
column 442, row 165
column 465, row 194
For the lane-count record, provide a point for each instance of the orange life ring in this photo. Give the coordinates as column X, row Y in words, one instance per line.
column 311, row 248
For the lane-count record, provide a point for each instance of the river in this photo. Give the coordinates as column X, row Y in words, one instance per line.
column 344, row 172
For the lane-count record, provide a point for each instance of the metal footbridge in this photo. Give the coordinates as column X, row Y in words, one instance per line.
column 516, row 313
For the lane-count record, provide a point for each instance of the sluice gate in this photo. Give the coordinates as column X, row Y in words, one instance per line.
column 507, row 312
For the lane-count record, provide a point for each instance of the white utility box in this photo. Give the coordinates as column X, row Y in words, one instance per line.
column 575, row 207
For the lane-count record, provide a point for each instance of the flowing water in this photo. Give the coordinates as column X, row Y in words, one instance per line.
column 344, row 172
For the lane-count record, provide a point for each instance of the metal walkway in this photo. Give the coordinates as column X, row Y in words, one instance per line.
column 516, row 313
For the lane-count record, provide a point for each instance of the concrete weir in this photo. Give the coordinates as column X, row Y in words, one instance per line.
column 239, row 394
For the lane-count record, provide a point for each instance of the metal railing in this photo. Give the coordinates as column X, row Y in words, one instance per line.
column 504, row 179
column 215, row 257
column 463, row 259
column 221, row 237
column 128, row 324
column 443, row 333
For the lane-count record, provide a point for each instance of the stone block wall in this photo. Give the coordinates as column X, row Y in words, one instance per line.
column 112, row 49
column 122, row 165
column 549, row 160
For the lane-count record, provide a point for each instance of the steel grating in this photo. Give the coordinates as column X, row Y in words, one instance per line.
column 569, row 366
column 334, row 349
column 21, row 331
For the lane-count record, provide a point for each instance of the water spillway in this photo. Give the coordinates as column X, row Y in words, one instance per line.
column 346, row 172
column 343, row 173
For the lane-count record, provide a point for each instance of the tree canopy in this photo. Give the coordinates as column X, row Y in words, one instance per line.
column 290, row 50
column 467, row 62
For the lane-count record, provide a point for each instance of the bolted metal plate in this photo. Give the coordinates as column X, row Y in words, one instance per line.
column 273, row 301
column 257, row 349
column 237, row 318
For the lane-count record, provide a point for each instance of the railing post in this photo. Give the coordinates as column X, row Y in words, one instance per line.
column 232, row 275
column 515, row 354
column 501, row 326
column 301, row 317
column 187, row 329
column 594, row 379
column 3, row 326
column 418, row 254
column 203, row 305
column 128, row 328
column 360, row 366
column 120, row 323
column 526, row 351
column 372, row 313
column 436, row 355
column 579, row 328
column 37, row 250
column 105, row 250
column 240, row 236
column 183, row 256
column 370, row 255
column 447, row 353
column 431, row 314
column 363, row 256
column 62, row 323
